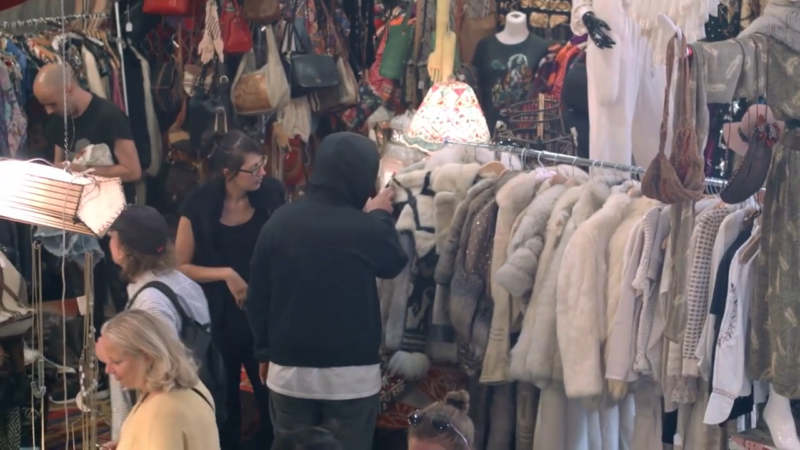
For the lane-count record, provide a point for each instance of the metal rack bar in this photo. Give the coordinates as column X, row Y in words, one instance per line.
column 61, row 19
column 121, row 56
column 48, row 20
column 574, row 160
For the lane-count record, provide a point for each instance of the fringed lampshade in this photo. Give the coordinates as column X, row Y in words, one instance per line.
column 43, row 195
column 449, row 112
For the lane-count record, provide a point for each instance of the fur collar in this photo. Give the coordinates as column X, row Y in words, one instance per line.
column 526, row 245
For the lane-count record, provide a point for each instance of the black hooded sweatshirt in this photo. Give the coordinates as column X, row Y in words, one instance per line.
column 312, row 299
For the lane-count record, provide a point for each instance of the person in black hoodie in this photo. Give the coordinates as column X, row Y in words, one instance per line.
column 219, row 225
column 313, row 300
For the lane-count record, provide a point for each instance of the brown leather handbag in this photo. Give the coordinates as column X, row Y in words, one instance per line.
column 264, row 12
column 263, row 90
column 473, row 29
column 752, row 172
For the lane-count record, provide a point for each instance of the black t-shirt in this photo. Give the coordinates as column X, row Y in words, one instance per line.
column 506, row 73
column 103, row 122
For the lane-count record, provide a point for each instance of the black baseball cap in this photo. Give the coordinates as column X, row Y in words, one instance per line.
column 142, row 229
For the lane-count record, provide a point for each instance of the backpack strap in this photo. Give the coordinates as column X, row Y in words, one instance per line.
column 168, row 292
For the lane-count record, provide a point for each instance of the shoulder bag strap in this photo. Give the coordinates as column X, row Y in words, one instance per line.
column 197, row 391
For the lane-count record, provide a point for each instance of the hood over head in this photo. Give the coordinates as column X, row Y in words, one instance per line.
column 346, row 167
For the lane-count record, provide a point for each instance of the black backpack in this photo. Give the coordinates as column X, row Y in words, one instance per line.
column 197, row 338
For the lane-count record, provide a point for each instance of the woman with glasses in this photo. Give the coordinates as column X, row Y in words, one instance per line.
column 443, row 425
column 217, row 232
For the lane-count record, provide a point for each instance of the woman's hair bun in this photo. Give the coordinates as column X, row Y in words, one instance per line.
column 458, row 400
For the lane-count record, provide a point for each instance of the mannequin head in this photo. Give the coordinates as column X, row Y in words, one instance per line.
column 443, row 425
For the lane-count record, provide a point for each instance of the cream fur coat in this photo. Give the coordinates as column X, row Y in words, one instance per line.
column 511, row 201
column 536, row 358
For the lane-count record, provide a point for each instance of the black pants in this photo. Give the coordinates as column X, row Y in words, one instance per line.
column 236, row 346
column 355, row 419
column 107, row 285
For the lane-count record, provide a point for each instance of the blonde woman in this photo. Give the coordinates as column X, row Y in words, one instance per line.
column 174, row 410
column 443, row 425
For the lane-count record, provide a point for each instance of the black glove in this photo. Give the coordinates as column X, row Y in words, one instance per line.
column 596, row 33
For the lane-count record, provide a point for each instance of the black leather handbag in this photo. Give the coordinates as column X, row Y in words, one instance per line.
column 305, row 71
column 209, row 110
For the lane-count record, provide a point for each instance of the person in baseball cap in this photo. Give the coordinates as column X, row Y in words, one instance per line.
column 140, row 241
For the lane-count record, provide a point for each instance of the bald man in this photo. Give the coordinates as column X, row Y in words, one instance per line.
column 90, row 120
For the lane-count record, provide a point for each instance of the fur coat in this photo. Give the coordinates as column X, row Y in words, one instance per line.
column 511, row 200
column 528, row 361
column 426, row 200
column 536, row 356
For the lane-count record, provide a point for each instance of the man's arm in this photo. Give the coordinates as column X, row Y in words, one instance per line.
column 58, row 157
column 384, row 251
column 259, row 297
column 128, row 167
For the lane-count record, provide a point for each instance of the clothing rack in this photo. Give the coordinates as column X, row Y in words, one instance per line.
column 542, row 155
column 49, row 20
column 84, row 16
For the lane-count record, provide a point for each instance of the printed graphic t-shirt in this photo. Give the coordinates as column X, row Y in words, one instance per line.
column 506, row 73
column 102, row 123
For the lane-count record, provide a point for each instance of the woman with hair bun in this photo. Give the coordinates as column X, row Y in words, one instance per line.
column 219, row 225
column 443, row 425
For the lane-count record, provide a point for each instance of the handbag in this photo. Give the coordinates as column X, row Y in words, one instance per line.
column 399, row 43
column 236, row 35
column 264, row 90
column 167, row 87
column 474, row 29
column 306, row 71
column 344, row 94
column 263, row 12
column 207, row 111
column 168, row 7
column 752, row 172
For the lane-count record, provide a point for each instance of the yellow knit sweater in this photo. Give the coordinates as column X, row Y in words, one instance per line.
column 177, row 420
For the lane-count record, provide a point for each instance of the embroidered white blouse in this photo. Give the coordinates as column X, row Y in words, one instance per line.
column 730, row 380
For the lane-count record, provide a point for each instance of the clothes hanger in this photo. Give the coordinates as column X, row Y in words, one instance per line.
column 492, row 167
column 558, row 178
column 107, row 46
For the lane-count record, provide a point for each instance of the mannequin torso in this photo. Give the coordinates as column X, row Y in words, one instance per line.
column 506, row 64
column 516, row 29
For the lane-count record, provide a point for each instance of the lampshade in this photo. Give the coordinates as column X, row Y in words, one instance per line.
column 43, row 195
column 449, row 112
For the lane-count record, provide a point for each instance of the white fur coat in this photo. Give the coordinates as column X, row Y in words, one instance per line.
column 581, row 298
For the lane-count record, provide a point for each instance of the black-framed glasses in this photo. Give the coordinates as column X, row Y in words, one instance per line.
column 255, row 168
column 438, row 422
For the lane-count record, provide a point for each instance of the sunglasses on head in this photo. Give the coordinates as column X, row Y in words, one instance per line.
column 439, row 423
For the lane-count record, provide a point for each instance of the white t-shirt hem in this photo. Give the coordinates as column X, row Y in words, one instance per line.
column 334, row 383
